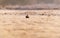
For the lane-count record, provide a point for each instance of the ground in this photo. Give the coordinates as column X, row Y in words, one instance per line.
column 36, row 26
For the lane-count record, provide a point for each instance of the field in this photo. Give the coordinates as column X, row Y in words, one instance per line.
column 40, row 24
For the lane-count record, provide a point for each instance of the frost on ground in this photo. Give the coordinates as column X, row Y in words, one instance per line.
column 36, row 26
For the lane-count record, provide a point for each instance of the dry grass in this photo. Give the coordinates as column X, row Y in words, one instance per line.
column 17, row 26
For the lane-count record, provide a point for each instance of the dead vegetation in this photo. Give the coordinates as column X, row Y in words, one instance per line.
column 17, row 26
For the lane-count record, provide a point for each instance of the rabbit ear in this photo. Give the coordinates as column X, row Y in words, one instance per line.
column 26, row 12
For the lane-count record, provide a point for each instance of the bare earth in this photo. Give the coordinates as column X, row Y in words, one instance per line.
column 37, row 26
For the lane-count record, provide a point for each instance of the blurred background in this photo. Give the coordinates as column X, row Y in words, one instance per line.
column 30, row 4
